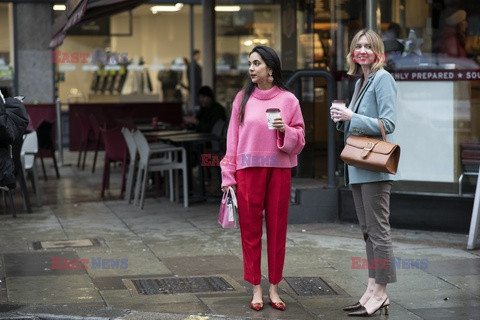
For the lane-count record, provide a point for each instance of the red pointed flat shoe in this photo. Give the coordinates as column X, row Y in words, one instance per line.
column 277, row 305
column 257, row 306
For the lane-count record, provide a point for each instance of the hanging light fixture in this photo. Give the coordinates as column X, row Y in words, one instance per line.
column 227, row 8
column 59, row 7
column 176, row 7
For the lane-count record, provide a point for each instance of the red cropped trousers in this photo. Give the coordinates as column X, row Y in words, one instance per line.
column 259, row 189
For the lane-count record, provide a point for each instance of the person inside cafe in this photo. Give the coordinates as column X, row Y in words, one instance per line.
column 453, row 38
column 197, row 70
column 393, row 47
column 210, row 112
column 262, row 179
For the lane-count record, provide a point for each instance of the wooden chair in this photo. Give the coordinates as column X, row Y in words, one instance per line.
column 95, row 129
column 115, row 151
column 46, row 145
column 85, row 133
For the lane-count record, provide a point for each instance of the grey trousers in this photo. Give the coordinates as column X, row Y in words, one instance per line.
column 372, row 203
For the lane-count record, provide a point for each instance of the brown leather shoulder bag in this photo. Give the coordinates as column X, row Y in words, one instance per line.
column 371, row 154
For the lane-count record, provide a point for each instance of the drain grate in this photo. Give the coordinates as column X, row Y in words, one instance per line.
column 310, row 286
column 180, row 285
column 64, row 244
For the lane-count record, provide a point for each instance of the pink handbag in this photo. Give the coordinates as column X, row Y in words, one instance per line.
column 228, row 215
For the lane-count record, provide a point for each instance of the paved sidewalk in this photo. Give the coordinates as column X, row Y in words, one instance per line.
column 168, row 242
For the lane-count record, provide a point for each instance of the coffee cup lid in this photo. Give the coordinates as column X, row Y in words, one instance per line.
column 273, row 110
column 339, row 101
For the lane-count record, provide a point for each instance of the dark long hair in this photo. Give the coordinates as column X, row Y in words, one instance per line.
column 271, row 59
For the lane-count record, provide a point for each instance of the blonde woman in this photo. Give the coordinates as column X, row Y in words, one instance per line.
column 374, row 98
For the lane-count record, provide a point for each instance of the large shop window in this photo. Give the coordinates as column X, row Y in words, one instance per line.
column 140, row 55
column 6, row 51
column 237, row 33
column 433, row 51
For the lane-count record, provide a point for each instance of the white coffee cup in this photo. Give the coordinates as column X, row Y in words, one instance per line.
column 339, row 103
column 272, row 114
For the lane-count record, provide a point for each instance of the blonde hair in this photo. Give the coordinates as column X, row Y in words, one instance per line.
column 377, row 47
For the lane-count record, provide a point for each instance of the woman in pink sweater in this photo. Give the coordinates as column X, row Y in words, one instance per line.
column 258, row 164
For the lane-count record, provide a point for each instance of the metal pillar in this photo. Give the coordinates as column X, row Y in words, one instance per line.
column 191, row 82
column 58, row 113
column 475, row 222
column 208, row 47
column 372, row 15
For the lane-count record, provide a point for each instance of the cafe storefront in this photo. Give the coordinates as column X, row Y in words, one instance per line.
column 143, row 56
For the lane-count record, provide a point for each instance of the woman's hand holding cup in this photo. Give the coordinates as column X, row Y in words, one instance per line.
column 339, row 111
column 274, row 120
column 278, row 124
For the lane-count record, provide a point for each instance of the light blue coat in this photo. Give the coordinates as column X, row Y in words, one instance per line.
column 377, row 100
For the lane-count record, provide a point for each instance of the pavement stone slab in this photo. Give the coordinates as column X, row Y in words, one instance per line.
column 123, row 263
column 460, row 267
column 434, row 298
column 178, row 303
column 464, row 313
column 25, row 264
column 206, row 265
column 187, row 246
column 53, row 290
column 469, row 283
column 118, row 245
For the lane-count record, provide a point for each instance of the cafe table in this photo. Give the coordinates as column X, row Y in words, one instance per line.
column 149, row 127
column 162, row 134
column 190, row 141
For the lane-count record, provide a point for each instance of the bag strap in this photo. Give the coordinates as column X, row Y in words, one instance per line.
column 226, row 194
column 382, row 129
column 233, row 196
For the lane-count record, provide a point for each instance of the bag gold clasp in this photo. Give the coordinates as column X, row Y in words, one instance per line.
column 367, row 149
column 369, row 146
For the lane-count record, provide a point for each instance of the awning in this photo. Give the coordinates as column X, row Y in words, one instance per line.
column 79, row 11
column 70, row 17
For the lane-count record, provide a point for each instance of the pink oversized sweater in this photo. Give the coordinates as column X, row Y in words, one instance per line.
column 252, row 144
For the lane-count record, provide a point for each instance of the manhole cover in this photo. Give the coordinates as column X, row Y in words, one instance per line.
column 180, row 285
column 63, row 244
column 306, row 286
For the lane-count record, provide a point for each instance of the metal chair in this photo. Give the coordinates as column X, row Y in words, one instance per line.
column 132, row 151
column 470, row 159
column 168, row 158
column 28, row 156
column 133, row 163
